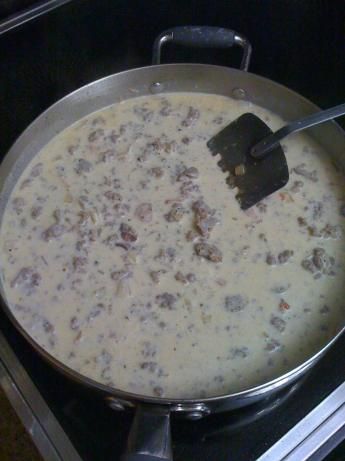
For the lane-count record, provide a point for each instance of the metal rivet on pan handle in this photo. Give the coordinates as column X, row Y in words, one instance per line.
column 203, row 37
column 192, row 411
column 118, row 404
column 156, row 87
column 239, row 93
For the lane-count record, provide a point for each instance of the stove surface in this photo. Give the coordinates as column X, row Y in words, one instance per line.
column 81, row 41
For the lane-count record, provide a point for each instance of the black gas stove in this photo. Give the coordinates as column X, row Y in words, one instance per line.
column 56, row 46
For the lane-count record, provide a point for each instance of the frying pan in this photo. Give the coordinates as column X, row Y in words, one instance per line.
column 149, row 439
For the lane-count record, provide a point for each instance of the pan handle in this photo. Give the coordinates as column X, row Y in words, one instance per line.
column 203, row 37
column 150, row 437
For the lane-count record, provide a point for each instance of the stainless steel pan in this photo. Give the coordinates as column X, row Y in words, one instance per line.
column 150, row 434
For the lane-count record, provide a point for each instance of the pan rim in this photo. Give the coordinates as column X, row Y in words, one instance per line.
column 273, row 384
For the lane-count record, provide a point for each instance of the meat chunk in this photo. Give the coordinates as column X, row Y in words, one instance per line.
column 280, row 289
column 283, row 305
column 302, row 222
column 272, row 344
column 202, row 209
column 47, row 326
column 74, row 323
column 157, row 172
column 286, row 197
column 158, row 391
column 128, row 234
column 176, row 213
column 53, row 232
column 95, row 311
column 192, row 235
column 87, row 217
column 192, row 115
column 205, row 225
column 26, row 183
column 181, row 278
column 149, row 349
column 99, row 120
column 18, row 205
column 36, row 170
column 271, row 260
column 235, row 303
column 72, row 149
column 282, row 258
column 168, row 146
column 143, row 113
column 239, row 352
column 144, row 212
column 317, row 209
column 318, row 263
column 104, row 358
column 36, row 211
column 96, row 135
column 152, row 367
column 166, row 108
column 121, row 209
column 114, row 197
column 204, row 218
column 185, row 279
column 58, row 215
column 166, row 301
column 278, row 323
column 79, row 263
column 111, row 241
column 162, row 144
column 297, row 186
column 209, row 252
column 320, row 259
column 324, row 310
column 107, row 156
column 156, row 275
column 190, row 173
column 285, row 256
column 149, row 150
column 330, row 232
column 27, row 279
column 114, row 136
column 301, row 170
column 166, row 255
column 188, row 188
column 262, row 207
column 82, row 166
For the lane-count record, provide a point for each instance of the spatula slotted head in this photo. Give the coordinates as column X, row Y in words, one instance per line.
column 258, row 178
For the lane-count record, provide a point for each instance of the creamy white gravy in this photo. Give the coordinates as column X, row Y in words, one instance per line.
column 125, row 254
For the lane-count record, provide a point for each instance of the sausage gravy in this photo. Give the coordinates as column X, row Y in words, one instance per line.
column 126, row 256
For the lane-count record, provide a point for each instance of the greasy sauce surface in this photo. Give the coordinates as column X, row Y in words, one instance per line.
column 125, row 254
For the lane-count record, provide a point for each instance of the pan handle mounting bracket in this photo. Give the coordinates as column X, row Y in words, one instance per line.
column 149, row 438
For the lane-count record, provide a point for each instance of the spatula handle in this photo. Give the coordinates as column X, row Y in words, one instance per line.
column 267, row 144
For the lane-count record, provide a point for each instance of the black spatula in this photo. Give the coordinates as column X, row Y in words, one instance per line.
column 255, row 179
column 252, row 155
